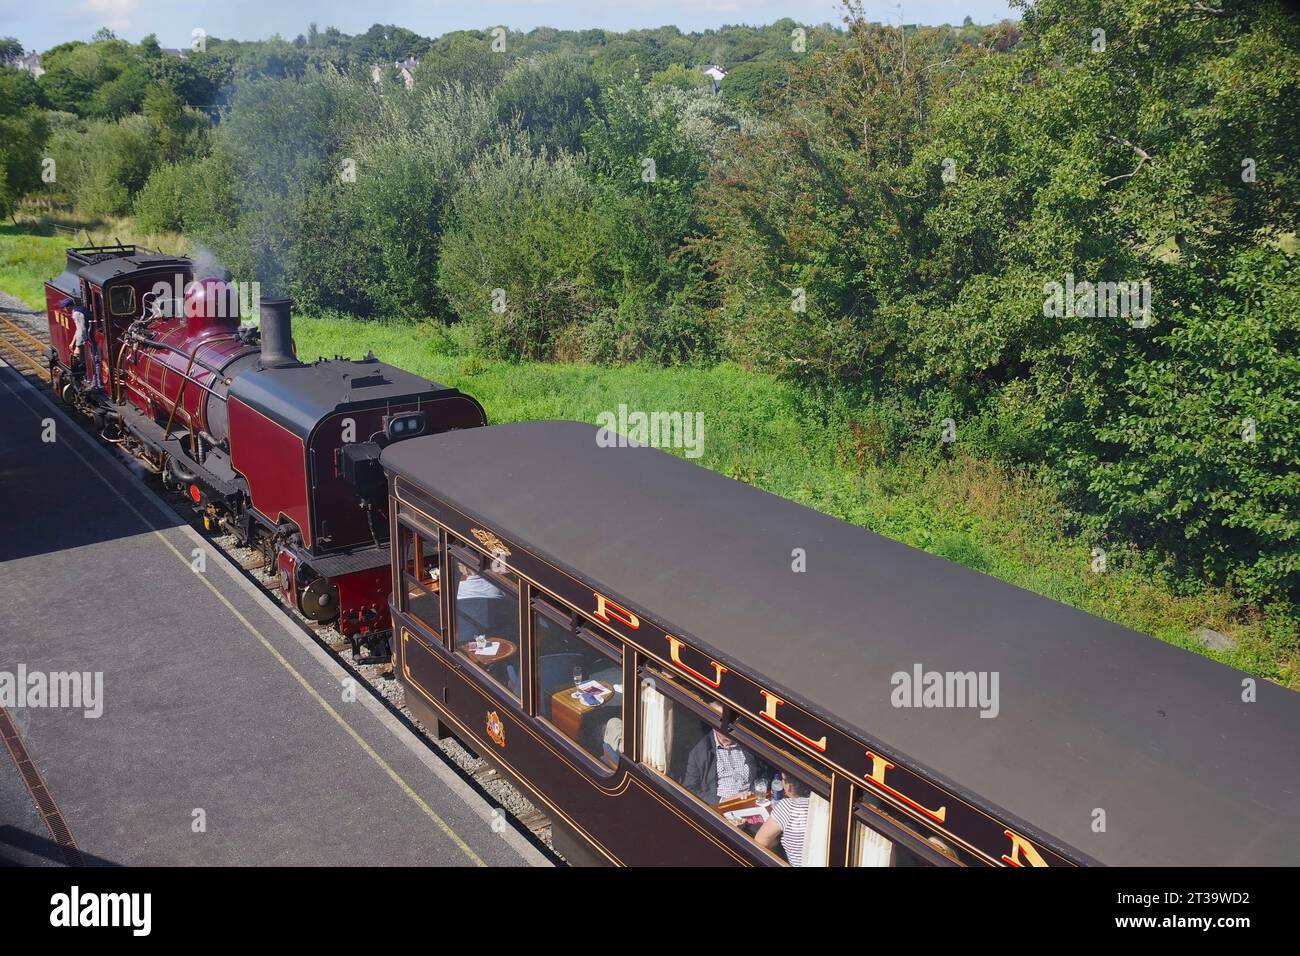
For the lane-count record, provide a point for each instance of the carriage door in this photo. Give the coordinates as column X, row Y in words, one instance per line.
column 98, row 339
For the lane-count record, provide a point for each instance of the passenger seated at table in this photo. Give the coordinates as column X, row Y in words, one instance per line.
column 788, row 823
column 481, row 606
column 719, row 769
column 612, row 745
column 474, row 585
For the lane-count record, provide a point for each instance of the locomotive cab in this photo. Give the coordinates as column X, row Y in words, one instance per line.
column 112, row 283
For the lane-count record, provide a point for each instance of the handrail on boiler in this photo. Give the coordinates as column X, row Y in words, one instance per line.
column 185, row 376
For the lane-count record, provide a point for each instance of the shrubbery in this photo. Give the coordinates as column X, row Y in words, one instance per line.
column 516, row 258
column 160, row 206
column 899, row 245
column 1202, row 455
column 23, row 131
column 102, row 164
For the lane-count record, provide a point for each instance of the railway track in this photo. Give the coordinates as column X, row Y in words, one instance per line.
column 28, row 352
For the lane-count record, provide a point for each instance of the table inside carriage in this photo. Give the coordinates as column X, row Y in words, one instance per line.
column 746, row 812
column 504, row 650
column 573, row 716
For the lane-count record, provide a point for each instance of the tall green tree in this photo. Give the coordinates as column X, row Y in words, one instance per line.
column 24, row 130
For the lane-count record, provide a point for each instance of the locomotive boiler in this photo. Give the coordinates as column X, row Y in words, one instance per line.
column 278, row 452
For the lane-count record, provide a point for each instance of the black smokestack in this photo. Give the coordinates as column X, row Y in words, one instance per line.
column 277, row 334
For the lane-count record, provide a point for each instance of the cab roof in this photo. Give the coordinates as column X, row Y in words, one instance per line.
column 113, row 267
column 299, row 396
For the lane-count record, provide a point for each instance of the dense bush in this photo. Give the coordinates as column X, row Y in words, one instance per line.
column 24, row 129
column 160, row 205
column 1203, row 455
column 902, row 245
column 464, row 58
column 549, row 98
column 102, row 164
column 516, row 258
column 411, row 154
column 283, row 142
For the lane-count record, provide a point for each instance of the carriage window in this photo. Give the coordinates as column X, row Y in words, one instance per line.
column 421, row 578
column 487, row 621
column 872, row 849
column 778, row 809
column 579, row 689
column 122, row 300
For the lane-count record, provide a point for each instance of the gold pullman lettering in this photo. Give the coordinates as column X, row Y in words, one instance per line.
column 769, row 714
column 675, row 651
column 1020, row 847
column 607, row 610
column 877, row 779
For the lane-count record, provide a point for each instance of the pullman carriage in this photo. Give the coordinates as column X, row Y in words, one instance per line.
column 686, row 670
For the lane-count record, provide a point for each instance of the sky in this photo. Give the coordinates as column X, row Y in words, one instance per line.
column 39, row 26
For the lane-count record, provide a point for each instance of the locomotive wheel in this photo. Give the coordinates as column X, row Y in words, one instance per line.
column 319, row 600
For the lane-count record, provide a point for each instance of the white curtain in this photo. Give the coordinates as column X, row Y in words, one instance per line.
column 873, row 849
column 656, row 728
column 816, row 844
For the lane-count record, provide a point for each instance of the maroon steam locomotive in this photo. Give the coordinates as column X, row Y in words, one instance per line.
column 280, row 453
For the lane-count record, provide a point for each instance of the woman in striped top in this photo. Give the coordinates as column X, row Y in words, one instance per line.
column 788, row 822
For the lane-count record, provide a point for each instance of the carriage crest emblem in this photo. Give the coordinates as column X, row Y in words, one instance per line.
column 495, row 729
column 491, row 542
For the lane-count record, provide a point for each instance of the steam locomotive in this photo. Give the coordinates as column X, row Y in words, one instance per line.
column 280, row 453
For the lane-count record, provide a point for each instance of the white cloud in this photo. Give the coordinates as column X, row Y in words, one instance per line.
column 114, row 14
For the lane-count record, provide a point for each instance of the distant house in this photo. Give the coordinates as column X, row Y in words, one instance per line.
column 405, row 71
column 172, row 51
column 716, row 74
column 31, row 62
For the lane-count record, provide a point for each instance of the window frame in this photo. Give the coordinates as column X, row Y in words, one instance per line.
column 682, row 694
column 456, row 547
column 469, row 556
column 866, row 815
column 130, row 310
column 685, row 695
column 406, row 526
column 572, row 623
column 496, row 580
column 754, row 737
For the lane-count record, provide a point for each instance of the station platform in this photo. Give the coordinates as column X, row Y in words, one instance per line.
column 227, row 735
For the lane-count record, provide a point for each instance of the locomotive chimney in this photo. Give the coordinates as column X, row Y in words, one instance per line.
column 277, row 334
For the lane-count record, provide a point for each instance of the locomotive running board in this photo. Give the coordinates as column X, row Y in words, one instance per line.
column 153, row 434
